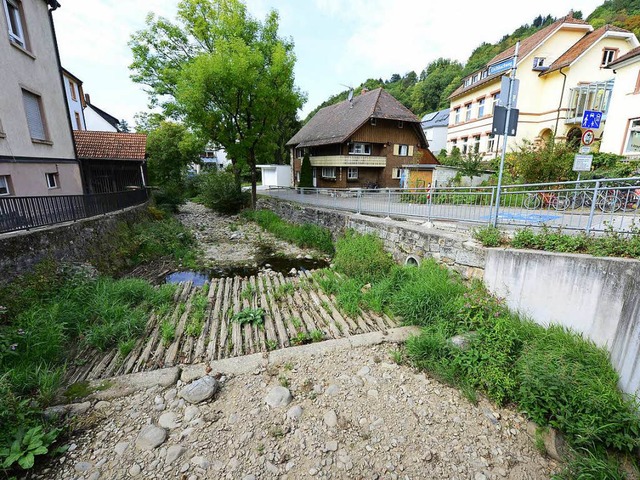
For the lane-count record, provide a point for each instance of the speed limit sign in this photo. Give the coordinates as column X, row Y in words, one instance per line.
column 588, row 137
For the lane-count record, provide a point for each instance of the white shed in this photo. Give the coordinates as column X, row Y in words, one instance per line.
column 276, row 175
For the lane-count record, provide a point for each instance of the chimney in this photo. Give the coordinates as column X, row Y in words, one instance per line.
column 87, row 98
column 570, row 16
column 364, row 90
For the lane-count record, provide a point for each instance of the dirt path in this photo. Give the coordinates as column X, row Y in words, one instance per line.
column 353, row 414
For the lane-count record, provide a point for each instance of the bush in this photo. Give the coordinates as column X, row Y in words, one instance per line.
column 221, row 193
column 489, row 236
column 306, row 235
column 362, row 257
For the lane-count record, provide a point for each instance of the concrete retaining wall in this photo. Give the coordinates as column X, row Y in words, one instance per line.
column 75, row 242
column 598, row 297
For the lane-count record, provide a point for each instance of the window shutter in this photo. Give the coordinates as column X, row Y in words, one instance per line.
column 411, row 150
column 34, row 115
column 396, row 149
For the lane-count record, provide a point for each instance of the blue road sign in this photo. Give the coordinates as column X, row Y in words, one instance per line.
column 591, row 119
column 502, row 66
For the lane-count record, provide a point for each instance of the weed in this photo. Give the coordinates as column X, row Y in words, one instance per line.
column 489, row 236
column 397, row 356
column 362, row 257
column 276, row 432
column 271, row 345
column 301, row 339
column 260, row 448
column 252, row 316
column 284, row 381
column 27, row 446
column 325, row 305
column 125, row 347
column 288, row 366
column 248, row 292
column 316, row 336
column 167, row 332
column 591, row 465
column 283, row 290
column 296, row 322
column 195, row 322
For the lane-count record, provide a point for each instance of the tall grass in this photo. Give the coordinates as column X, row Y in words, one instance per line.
column 362, row 257
column 306, row 236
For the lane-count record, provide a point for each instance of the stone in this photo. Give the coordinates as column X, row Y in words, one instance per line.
column 357, row 381
column 330, row 419
column 249, row 477
column 101, row 405
column 173, row 453
column 463, row 341
column 135, row 470
column 121, row 447
column 150, row 437
column 331, row 446
column 364, row 371
column 294, row 413
column 200, row 461
column 332, row 389
column 200, row 390
column 168, row 420
column 81, row 467
column 278, row 397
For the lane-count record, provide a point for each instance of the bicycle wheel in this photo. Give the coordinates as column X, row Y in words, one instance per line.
column 561, row 202
column 532, row 201
column 609, row 203
column 629, row 201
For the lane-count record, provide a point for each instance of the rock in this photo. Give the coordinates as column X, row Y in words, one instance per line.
column 331, row 446
column 357, row 381
column 330, row 419
column 294, row 413
column 134, row 470
column 463, row 341
column 332, row 389
column 200, row 390
column 201, row 462
column 364, row 371
column 101, row 405
column 278, row 397
column 191, row 412
column 249, row 477
column 121, row 447
column 173, row 453
column 151, row 437
column 81, row 467
column 56, row 411
column 168, row 420
column 366, row 288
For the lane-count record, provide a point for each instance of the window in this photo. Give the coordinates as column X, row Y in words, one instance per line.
column 633, row 142
column 4, row 185
column 297, row 177
column 495, row 98
column 608, row 56
column 33, row 109
column 78, row 121
column 491, row 142
column 635, row 91
column 396, row 173
column 475, row 78
column 457, row 116
column 52, row 180
column 476, row 143
column 13, row 11
column 403, row 150
column 465, row 145
column 373, row 122
column 467, row 113
column 72, row 89
column 485, row 74
column 467, row 82
column 352, row 173
column 538, row 64
column 481, row 108
column 454, row 144
column 589, row 96
column 400, row 124
column 359, row 149
column 329, row 172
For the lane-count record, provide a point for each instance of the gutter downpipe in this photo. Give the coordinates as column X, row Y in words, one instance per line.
column 564, row 82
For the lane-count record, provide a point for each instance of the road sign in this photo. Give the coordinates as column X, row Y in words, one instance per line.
column 588, row 137
column 503, row 98
column 502, row 66
column 582, row 163
column 585, row 150
column 500, row 119
column 591, row 119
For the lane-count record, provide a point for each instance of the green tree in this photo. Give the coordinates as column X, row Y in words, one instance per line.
column 306, row 172
column 429, row 93
column 471, row 165
column 227, row 74
column 552, row 162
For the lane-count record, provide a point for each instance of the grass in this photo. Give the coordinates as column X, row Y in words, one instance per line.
column 489, row 236
column 554, row 376
column 306, row 235
column 199, row 304
column 251, row 316
column 167, row 332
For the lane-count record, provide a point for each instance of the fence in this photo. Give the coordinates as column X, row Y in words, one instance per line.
column 20, row 213
column 590, row 206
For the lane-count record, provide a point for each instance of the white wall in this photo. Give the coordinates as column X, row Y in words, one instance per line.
column 95, row 122
column 276, row 175
column 444, row 175
column 437, row 138
column 74, row 106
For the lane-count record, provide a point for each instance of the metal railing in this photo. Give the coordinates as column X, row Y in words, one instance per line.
column 23, row 213
column 590, row 205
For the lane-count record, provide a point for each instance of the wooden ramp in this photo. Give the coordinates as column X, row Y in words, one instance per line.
column 296, row 311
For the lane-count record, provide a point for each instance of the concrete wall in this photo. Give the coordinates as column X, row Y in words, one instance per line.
column 72, row 242
column 595, row 296
column 444, row 175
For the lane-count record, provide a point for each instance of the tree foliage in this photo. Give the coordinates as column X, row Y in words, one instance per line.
column 306, row 172
column 621, row 13
column 227, row 74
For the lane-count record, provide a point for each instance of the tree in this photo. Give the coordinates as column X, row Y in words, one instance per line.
column 227, row 74
column 428, row 94
column 123, row 126
column 147, row 122
column 470, row 165
column 306, row 172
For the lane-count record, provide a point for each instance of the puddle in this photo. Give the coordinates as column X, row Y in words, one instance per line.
column 277, row 264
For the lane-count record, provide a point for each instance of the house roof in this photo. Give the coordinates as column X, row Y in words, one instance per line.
column 53, row 4
column 72, row 76
column 581, row 46
column 436, row 119
column 336, row 123
column 527, row 46
column 113, row 121
column 110, row 145
column 631, row 54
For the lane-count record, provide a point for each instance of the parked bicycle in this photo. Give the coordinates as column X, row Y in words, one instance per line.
column 546, row 199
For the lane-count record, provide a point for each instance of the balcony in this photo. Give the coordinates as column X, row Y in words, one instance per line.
column 349, row 161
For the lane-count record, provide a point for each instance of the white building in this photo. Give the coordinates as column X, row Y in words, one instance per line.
column 97, row 119
column 75, row 99
column 276, row 175
column 435, row 126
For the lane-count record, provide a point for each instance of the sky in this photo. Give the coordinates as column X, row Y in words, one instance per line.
column 337, row 42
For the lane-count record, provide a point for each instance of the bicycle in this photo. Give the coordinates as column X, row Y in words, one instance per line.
column 546, row 199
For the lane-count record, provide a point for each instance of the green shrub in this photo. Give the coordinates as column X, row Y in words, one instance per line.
column 362, row 257
column 221, row 193
column 306, row 235
column 525, row 238
column 489, row 236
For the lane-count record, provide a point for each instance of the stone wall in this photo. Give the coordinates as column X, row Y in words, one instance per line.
column 69, row 242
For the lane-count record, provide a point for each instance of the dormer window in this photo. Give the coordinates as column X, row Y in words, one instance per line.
column 608, row 56
column 467, row 82
column 485, row 73
column 373, row 122
column 475, row 78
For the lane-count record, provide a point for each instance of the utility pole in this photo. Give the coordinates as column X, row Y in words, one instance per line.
column 506, row 131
